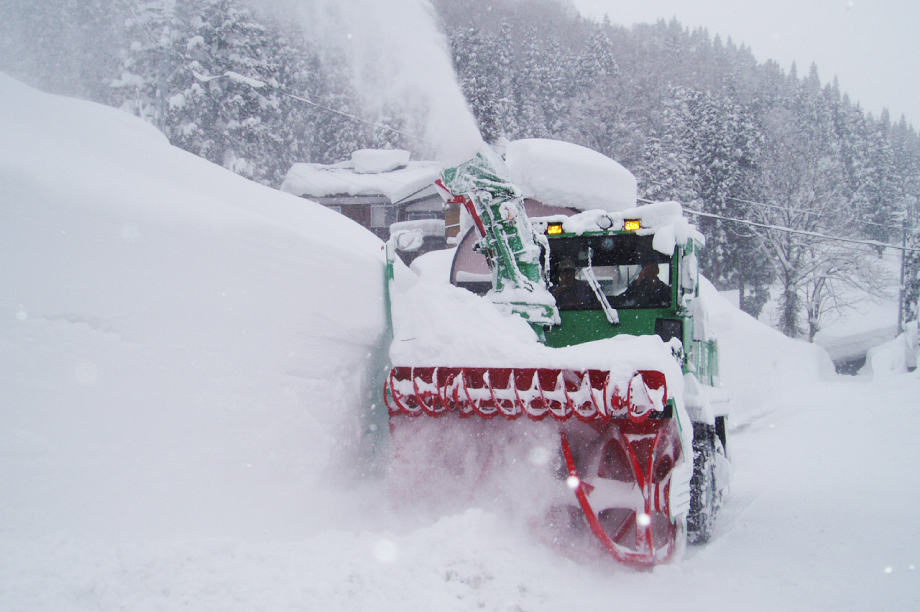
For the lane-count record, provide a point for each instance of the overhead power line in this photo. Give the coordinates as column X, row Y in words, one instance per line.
column 343, row 114
column 792, row 210
column 873, row 243
column 804, row 212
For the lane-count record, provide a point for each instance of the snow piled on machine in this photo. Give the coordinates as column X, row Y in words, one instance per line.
column 663, row 220
column 437, row 324
column 566, row 174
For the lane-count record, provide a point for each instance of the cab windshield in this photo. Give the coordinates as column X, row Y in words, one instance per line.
column 629, row 272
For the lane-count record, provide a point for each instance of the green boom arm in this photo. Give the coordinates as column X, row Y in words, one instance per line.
column 483, row 186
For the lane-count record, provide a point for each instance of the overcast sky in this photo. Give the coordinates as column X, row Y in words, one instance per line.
column 872, row 46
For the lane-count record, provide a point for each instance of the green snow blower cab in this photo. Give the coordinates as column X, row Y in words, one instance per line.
column 643, row 482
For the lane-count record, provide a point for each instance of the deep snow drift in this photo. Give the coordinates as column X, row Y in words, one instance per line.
column 185, row 359
column 179, row 345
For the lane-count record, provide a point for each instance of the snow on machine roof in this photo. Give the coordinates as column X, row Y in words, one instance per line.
column 565, row 174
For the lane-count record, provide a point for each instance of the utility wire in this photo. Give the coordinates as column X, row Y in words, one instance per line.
column 804, row 212
column 343, row 114
column 874, row 243
column 793, row 210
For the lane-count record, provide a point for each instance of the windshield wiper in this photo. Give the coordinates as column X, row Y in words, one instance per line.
column 613, row 317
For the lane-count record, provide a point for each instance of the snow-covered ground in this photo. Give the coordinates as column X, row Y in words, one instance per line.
column 185, row 360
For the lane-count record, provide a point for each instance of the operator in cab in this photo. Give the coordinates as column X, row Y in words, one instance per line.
column 571, row 292
column 646, row 290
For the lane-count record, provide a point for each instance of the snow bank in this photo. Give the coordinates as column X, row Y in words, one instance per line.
column 757, row 361
column 854, row 346
column 181, row 350
column 896, row 356
column 563, row 174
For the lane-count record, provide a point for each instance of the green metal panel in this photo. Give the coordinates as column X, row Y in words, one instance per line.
column 579, row 326
column 703, row 362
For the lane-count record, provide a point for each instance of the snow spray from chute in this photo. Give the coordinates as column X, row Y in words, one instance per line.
column 399, row 62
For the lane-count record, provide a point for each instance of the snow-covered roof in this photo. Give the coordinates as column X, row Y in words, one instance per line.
column 369, row 172
column 565, row 174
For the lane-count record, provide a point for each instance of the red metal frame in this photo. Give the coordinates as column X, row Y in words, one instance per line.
column 513, row 392
column 650, row 447
column 654, row 486
column 464, row 201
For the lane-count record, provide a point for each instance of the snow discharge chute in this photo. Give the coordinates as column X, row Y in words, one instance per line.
column 481, row 186
column 624, row 459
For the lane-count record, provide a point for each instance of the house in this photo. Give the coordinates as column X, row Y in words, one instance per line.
column 375, row 188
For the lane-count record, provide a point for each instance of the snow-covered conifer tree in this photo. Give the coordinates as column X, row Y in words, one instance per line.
column 528, row 88
column 151, row 71
column 213, row 79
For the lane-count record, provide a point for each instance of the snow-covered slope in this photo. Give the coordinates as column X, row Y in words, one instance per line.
column 757, row 362
column 183, row 362
column 180, row 348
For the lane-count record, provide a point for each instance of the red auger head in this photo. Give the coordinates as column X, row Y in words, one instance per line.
column 648, row 391
column 587, row 395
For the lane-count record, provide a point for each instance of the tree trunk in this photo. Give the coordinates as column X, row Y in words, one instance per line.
column 789, row 312
column 741, row 292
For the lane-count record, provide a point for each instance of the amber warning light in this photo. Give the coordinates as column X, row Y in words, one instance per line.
column 554, row 228
column 631, row 225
